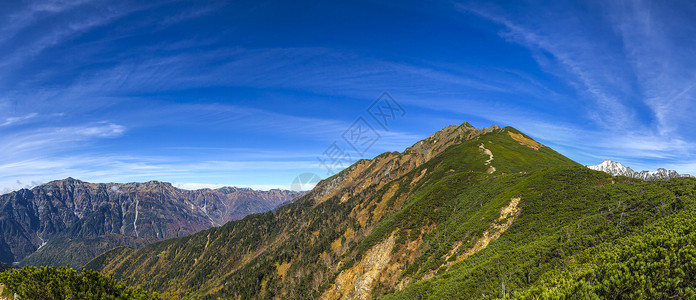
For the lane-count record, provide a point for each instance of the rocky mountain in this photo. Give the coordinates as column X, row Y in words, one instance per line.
column 618, row 169
column 373, row 228
column 465, row 213
column 70, row 221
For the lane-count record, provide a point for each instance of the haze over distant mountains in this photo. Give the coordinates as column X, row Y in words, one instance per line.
column 618, row 169
column 70, row 221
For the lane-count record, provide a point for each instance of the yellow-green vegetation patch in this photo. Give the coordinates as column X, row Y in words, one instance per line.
column 525, row 140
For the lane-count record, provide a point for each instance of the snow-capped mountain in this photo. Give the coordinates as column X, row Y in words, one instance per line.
column 617, row 169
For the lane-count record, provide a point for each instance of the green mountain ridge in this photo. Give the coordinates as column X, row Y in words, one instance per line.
column 300, row 250
column 569, row 228
column 465, row 213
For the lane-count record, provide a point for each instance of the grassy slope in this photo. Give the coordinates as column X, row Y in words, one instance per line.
column 655, row 261
column 565, row 212
column 459, row 200
column 241, row 258
column 571, row 218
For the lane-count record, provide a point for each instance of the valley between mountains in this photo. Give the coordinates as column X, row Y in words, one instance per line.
column 465, row 213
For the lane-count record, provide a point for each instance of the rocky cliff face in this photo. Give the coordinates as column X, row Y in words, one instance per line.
column 131, row 214
column 618, row 169
column 373, row 174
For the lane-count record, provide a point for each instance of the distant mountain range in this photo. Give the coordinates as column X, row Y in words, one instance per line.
column 70, row 221
column 618, row 169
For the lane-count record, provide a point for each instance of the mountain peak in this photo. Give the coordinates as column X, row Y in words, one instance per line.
column 618, row 169
column 448, row 136
column 390, row 165
column 70, row 179
column 379, row 211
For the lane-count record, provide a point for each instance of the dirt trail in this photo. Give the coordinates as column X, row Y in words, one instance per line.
column 508, row 214
column 485, row 151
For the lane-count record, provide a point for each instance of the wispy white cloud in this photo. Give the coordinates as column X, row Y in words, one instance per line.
column 584, row 63
column 105, row 130
column 52, row 140
column 319, row 70
column 14, row 120
column 632, row 65
column 657, row 43
column 28, row 15
column 191, row 13
column 56, row 35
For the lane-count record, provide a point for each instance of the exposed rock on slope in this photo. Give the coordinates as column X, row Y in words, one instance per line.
column 617, row 169
column 372, row 228
column 433, row 223
column 62, row 214
column 388, row 166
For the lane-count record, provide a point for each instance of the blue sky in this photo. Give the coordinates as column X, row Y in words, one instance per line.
column 206, row 93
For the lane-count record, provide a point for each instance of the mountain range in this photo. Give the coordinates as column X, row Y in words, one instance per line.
column 465, row 213
column 71, row 221
column 617, row 169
